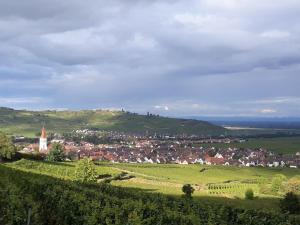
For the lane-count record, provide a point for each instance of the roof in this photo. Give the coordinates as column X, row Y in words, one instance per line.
column 214, row 160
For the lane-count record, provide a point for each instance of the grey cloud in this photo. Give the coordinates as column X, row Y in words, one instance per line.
column 141, row 54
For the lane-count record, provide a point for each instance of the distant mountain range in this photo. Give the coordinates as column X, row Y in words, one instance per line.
column 28, row 123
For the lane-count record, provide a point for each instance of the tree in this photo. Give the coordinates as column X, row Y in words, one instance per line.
column 249, row 194
column 85, row 170
column 290, row 204
column 188, row 190
column 7, row 149
column 277, row 182
column 56, row 153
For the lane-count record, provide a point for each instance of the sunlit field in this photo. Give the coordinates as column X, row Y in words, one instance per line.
column 213, row 184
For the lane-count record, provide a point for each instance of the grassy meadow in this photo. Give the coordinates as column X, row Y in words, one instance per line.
column 213, row 184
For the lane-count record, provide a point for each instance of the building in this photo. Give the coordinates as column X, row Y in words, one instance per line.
column 43, row 141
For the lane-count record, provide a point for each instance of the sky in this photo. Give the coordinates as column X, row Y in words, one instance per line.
column 169, row 57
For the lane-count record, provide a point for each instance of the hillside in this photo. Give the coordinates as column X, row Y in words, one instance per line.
column 28, row 123
column 45, row 198
column 140, row 194
column 216, row 184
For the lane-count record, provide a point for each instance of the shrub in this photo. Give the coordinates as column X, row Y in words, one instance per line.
column 188, row 190
column 202, row 170
column 56, row 153
column 249, row 194
column 85, row 171
column 290, row 203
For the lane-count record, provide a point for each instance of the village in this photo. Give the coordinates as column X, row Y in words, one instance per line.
column 124, row 148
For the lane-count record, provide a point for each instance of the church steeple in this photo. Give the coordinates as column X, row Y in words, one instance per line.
column 43, row 140
column 44, row 134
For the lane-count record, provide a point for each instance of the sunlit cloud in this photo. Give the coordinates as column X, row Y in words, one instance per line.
column 267, row 111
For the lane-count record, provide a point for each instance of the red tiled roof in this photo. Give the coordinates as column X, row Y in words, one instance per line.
column 214, row 160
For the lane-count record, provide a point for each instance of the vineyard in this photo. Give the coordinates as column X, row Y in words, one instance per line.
column 63, row 170
column 236, row 189
column 216, row 185
column 47, row 200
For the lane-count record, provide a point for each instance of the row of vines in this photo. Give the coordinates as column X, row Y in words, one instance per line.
column 231, row 189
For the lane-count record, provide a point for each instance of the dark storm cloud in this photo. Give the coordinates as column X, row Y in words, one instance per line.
column 172, row 57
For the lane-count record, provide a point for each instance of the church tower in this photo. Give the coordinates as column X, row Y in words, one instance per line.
column 43, row 141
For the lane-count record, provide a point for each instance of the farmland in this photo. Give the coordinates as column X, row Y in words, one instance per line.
column 284, row 145
column 45, row 194
column 213, row 184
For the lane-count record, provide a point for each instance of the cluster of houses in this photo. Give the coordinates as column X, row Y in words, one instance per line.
column 151, row 152
column 146, row 152
column 179, row 151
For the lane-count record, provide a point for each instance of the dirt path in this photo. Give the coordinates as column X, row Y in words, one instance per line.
column 155, row 182
column 136, row 173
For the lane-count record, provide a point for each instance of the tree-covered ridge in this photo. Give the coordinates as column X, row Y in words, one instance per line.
column 29, row 122
column 52, row 201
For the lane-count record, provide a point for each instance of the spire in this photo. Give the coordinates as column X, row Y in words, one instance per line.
column 44, row 134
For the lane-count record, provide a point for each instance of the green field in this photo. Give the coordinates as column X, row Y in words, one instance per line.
column 29, row 123
column 216, row 184
column 284, row 145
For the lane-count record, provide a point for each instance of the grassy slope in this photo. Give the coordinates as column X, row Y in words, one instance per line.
column 283, row 145
column 28, row 123
column 168, row 179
